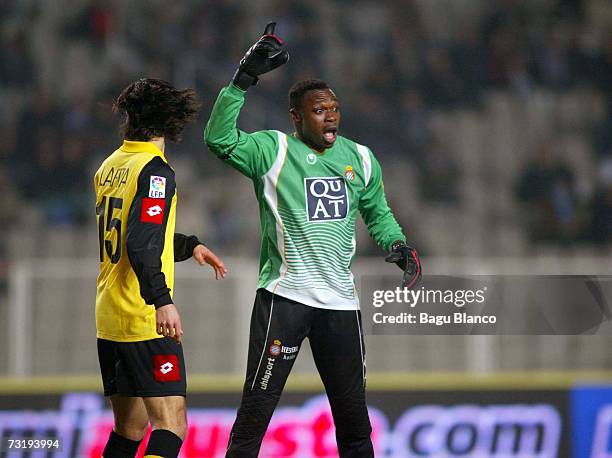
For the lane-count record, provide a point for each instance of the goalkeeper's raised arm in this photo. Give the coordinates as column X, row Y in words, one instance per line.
column 251, row 154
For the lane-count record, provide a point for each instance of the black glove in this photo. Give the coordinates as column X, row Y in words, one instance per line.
column 406, row 259
column 264, row 56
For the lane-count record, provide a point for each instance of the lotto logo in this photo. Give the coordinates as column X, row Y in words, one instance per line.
column 326, row 199
column 166, row 368
column 152, row 210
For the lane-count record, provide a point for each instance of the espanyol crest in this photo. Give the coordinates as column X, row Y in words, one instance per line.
column 349, row 174
column 326, row 199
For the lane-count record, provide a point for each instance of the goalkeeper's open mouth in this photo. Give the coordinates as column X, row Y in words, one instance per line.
column 329, row 134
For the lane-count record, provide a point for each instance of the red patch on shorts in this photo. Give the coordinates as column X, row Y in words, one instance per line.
column 152, row 210
column 166, row 368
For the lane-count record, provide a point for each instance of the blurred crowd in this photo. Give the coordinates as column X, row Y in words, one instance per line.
column 61, row 67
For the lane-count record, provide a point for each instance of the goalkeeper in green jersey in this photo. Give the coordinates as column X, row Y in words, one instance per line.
column 310, row 186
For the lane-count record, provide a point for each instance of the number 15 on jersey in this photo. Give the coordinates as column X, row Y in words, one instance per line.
column 107, row 225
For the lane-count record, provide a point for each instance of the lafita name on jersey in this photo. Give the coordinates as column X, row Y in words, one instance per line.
column 113, row 177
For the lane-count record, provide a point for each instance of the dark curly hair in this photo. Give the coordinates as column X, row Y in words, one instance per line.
column 299, row 89
column 154, row 108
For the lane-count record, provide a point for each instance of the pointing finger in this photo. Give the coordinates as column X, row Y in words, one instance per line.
column 269, row 30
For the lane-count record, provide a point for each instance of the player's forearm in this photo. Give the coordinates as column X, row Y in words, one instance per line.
column 381, row 223
column 145, row 245
column 144, row 248
column 156, row 291
column 184, row 246
column 146, row 264
column 377, row 215
column 385, row 230
column 221, row 133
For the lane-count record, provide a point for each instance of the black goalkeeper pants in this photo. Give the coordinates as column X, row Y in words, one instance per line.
column 278, row 327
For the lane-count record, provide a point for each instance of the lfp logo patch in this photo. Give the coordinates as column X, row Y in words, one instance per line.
column 326, row 199
column 157, row 187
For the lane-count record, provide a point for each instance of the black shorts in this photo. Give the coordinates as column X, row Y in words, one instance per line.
column 148, row 368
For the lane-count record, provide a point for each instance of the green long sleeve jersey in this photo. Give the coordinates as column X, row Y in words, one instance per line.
column 308, row 204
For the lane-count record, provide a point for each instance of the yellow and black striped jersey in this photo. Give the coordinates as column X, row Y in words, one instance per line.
column 136, row 211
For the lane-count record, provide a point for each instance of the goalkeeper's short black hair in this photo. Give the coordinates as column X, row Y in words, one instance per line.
column 154, row 108
column 297, row 91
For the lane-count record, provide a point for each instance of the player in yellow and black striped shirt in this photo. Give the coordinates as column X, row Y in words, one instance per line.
column 138, row 326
